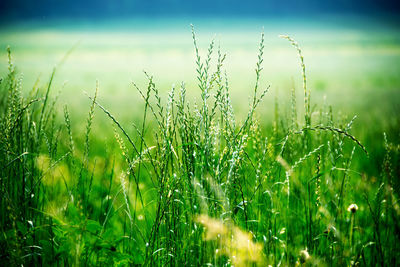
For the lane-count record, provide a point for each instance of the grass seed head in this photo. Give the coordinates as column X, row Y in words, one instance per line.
column 352, row 208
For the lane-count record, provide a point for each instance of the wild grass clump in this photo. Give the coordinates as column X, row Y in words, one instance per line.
column 199, row 187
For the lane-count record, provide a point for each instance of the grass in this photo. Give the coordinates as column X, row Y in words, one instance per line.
column 191, row 182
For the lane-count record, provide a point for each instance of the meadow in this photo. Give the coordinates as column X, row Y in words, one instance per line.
column 243, row 148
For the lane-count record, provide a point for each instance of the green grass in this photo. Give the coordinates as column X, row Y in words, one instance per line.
column 192, row 181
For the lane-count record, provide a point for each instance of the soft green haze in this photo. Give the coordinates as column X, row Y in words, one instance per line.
column 359, row 58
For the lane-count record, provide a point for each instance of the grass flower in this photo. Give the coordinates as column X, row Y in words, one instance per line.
column 352, row 208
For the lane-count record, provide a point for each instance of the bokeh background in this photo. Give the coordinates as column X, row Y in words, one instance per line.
column 351, row 49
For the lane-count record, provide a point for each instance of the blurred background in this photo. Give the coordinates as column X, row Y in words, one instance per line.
column 351, row 50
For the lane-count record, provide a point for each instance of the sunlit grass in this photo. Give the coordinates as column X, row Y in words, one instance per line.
column 222, row 170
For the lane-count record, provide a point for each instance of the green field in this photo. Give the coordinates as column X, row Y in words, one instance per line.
column 206, row 172
column 360, row 58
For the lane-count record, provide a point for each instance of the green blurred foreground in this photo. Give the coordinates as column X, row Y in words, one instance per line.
column 155, row 174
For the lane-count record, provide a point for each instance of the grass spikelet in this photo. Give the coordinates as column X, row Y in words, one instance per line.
column 335, row 130
column 68, row 126
column 307, row 94
column 89, row 124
